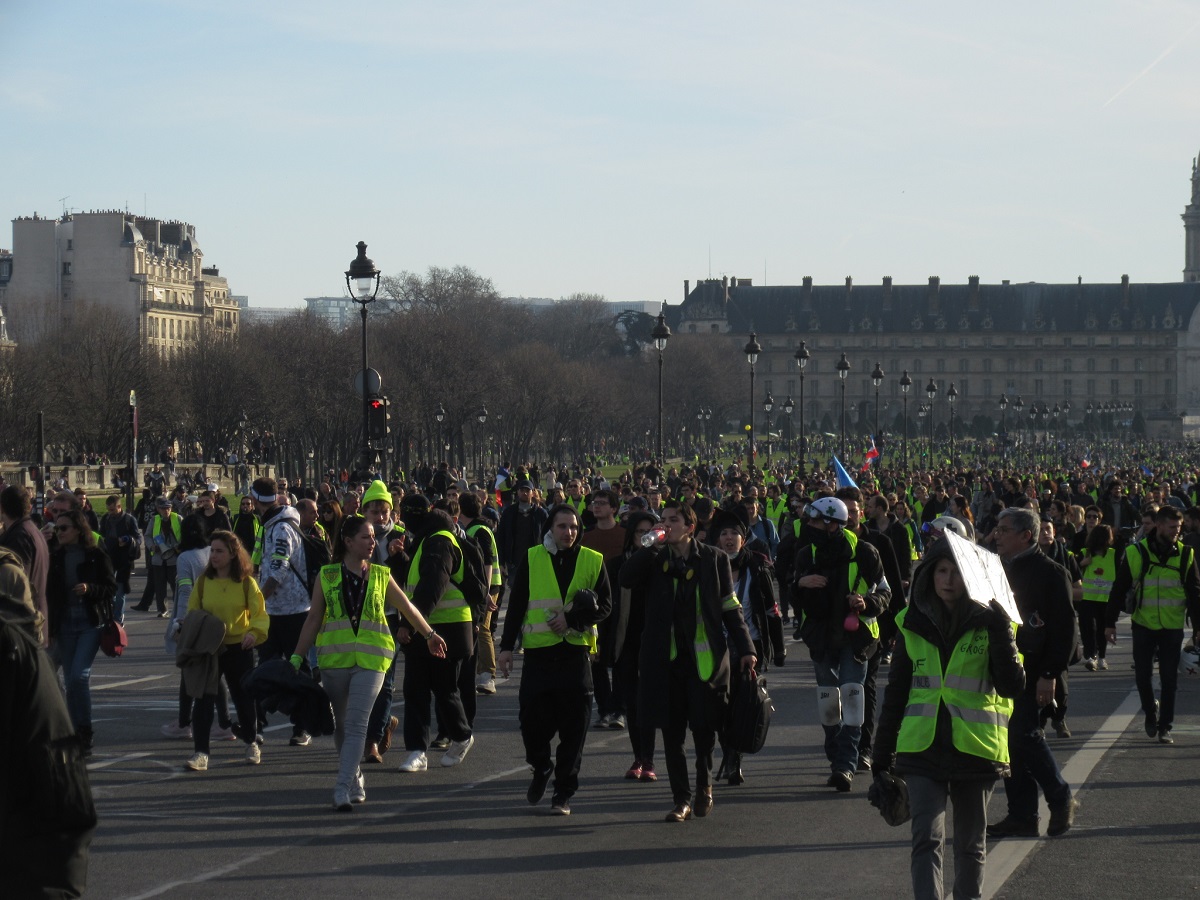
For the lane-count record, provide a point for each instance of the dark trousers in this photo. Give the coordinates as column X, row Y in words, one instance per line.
column 466, row 689
column 381, row 712
column 282, row 637
column 689, row 700
column 186, row 703
column 870, row 704
column 162, row 577
column 1091, row 628
column 1033, row 764
column 1057, row 711
column 426, row 677
column 1168, row 644
column 641, row 736
column 234, row 663
column 556, row 698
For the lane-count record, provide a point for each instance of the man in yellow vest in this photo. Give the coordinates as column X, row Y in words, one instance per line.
column 162, row 547
column 841, row 589
column 1163, row 571
column 558, row 595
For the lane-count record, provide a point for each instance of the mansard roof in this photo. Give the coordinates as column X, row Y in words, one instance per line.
column 972, row 307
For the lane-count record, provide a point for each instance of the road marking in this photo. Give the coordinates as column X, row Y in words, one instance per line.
column 1004, row 856
column 117, row 684
column 112, row 762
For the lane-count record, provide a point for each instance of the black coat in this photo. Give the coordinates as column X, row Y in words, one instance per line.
column 1046, row 637
column 96, row 572
column 278, row 687
column 650, row 568
column 825, row 609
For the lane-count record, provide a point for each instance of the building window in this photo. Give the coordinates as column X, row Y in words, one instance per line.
column 1066, row 342
column 916, row 367
column 1137, row 365
column 1114, row 365
column 66, row 270
column 987, row 364
column 1091, row 387
column 1091, row 365
column 964, row 365
column 1037, row 364
column 1066, row 387
column 1037, row 387
column 1168, row 386
column 1037, row 342
column 941, row 365
column 1066, row 365
column 1010, row 365
column 1137, row 386
column 987, row 388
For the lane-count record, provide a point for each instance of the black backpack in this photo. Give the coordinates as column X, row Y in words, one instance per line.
column 316, row 555
column 749, row 717
column 475, row 587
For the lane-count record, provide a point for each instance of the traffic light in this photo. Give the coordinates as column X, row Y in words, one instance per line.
column 377, row 418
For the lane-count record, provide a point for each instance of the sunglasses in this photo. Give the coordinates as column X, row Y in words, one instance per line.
column 64, row 527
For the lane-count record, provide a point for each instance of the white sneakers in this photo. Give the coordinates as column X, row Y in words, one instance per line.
column 458, row 751
column 198, row 762
column 485, row 683
column 358, row 790
column 253, row 754
column 415, row 762
column 177, row 731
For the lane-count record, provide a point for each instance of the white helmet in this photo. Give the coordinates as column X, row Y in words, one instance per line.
column 828, row 508
column 1189, row 660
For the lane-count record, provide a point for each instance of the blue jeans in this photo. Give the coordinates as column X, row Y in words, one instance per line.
column 841, row 740
column 119, row 599
column 75, row 647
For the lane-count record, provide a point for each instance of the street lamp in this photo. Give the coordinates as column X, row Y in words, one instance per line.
column 788, row 406
column 951, row 396
column 768, row 405
column 362, row 281
column 843, row 369
column 439, row 416
column 922, row 411
column 802, row 356
column 1003, row 423
column 905, row 384
column 931, row 390
column 1018, row 405
column 877, row 380
column 1057, row 410
column 481, row 416
column 660, row 334
column 752, row 349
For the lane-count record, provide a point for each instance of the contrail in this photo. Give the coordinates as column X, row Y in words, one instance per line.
column 1140, row 75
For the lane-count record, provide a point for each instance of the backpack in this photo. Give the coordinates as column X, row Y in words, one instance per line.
column 316, row 555
column 1133, row 597
column 749, row 717
column 475, row 587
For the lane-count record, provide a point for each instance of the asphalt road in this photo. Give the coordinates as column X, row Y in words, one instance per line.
column 269, row 831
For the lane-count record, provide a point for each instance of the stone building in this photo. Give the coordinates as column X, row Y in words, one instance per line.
column 1134, row 347
column 150, row 269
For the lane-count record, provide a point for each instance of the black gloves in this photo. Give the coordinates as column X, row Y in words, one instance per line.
column 997, row 618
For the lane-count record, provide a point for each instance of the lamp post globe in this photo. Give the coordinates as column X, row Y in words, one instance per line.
column 362, row 282
column 905, row 384
column 752, row 349
column 843, row 369
column 802, row 357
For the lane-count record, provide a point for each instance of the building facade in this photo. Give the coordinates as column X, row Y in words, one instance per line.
column 149, row 269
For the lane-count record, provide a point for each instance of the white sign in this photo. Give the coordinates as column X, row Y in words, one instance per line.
column 982, row 573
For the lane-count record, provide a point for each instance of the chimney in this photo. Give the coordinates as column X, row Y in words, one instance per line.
column 849, row 290
column 935, row 286
column 887, row 292
column 1125, row 291
column 973, row 293
column 808, row 282
column 806, row 294
column 687, row 288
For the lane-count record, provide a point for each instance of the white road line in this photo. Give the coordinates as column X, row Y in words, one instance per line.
column 117, row 684
column 112, row 762
column 1004, row 856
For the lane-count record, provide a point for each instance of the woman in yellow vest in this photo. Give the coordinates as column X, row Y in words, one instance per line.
column 354, row 645
column 944, row 723
column 1099, row 567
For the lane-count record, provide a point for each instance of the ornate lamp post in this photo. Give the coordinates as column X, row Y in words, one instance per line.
column 931, row 390
column 660, row 334
column 905, row 384
column 481, row 417
column 788, row 406
column 362, row 281
column 877, row 380
column 768, row 405
column 1018, row 406
column 752, row 349
column 802, row 356
column 1057, row 409
column 439, row 416
column 951, row 396
column 843, row 369
column 1003, row 424
column 922, row 411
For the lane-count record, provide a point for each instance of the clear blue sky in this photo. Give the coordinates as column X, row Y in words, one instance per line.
column 616, row 148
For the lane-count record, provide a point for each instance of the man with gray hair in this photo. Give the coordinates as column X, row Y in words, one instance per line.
column 1046, row 637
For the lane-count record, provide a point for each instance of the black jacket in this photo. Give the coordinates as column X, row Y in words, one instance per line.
column 96, row 572
column 280, row 688
column 760, row 605
column 942, row 761
column 825, row 609
column 1046, row 637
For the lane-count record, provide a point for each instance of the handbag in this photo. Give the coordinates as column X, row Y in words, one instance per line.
column 113, row 639
column 749, row 714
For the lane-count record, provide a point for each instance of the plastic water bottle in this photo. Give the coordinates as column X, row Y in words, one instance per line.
column 654, row 536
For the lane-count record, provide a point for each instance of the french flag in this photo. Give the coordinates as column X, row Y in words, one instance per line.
column 872, row 453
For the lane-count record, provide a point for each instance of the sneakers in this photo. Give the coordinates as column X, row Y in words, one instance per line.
column 198, row 762
column 1061, row 729
column 1152, row 721
column 217, row 733
column 841, row 780
column 300, row 739
column 1090, row 664
column 485, row 683
column 358, row 791
column 635, row 771
column 616, row 720
column 603, row 722
column 176, row 731
column 253, row 754
column 864, row 762
column 1164, row 736
column 415, row 762
column 1062, row 818
column 1010, row 827
column 648, row 772
column 560, row 805
column 385, row 742
column 341, row 800
column 441, row 742
column 537, row 787
column 458, row 751
column 1102, row 664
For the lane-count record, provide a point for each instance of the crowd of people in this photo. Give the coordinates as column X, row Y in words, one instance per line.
column 642, row 598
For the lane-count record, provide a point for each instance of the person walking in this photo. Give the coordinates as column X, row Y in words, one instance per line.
column 347, row 623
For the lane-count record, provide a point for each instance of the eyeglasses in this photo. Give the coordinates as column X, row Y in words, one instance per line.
column 1004, row 529
column 64, row 527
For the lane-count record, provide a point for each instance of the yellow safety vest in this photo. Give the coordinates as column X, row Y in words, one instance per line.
column 700, row 646
column 1099, row 576
column 338, row 645
column 545, row 598
column 491, row 538
column 1164, row 600
column 978, row 715
column 452, row 605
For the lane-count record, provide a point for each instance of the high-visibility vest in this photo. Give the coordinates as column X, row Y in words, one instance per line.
column 156, row 529
column 978, row 715
column 776, row 509
column 338, row 645
column 1163, row 598
column 576, row 504
column 452, row 605
column 700, row 645
column 496, row 582
column 1099, row 575
column 545, row 598
column 854, row 579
